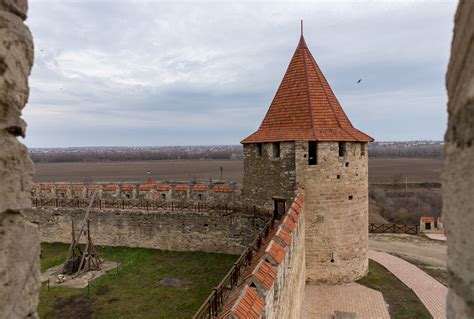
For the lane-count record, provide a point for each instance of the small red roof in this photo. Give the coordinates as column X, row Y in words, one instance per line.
column 128, row 187
column 145, row 187
column 163, row 187
column 284, row 236
column 223, row 189
column 276, row 251
column 201, row 187
column 265, row 273
column 305, row 108
column 250, row 306
column 427, row 219
column 111, row 187
column 182, row 187
column 78, row 187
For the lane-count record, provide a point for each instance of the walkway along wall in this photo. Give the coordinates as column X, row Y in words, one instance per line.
column 175, row 230
column 273, row 286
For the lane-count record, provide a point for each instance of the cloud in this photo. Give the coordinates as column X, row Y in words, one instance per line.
column 203, row 72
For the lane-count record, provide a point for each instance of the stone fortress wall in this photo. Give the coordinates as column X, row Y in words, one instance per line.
column 266, row 175
column 273, row 286
column 163, row 192
column 179, row 230
column 336, row 191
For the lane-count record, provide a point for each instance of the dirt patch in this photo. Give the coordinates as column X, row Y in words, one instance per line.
column 433, row 253
column 81, row 281
column 77, row 307
column 173, row 282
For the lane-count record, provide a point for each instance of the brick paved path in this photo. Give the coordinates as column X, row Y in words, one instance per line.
column 322, row 301
column 431, row 293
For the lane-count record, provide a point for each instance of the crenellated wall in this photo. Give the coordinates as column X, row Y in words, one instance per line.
column 175, row 230
column 273, row 286
column 165, row 192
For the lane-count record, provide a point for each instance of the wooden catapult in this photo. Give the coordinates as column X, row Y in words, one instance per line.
column 82, row 260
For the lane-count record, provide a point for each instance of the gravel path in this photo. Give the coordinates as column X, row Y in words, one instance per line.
column 428, row 251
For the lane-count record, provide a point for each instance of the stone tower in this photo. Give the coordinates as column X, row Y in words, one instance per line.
column 306, row 138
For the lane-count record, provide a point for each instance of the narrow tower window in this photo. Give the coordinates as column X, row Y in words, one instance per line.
column 259, row 149
column 342, row 149
column 362, row 149
column 312, row 153
column 276, row 149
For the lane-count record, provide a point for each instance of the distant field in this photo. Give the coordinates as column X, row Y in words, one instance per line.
column 380, row 170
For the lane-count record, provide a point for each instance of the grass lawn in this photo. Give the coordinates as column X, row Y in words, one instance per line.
column 402, row 301
column 134, row 290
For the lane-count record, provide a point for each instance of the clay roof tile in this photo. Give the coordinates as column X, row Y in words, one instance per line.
column 305, row 108
column 163, row 187
column 276, row 251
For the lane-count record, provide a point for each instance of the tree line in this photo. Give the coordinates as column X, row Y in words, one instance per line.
column 407, row 150
column 225, row 152
column 135, row 154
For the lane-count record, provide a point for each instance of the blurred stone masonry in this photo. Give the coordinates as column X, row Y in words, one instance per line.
column 19, row 272
column 458, row 176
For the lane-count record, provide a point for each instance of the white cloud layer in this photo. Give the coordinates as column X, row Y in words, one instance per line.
column 160, row 73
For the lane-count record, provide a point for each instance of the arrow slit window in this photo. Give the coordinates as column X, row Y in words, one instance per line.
column 312, row 153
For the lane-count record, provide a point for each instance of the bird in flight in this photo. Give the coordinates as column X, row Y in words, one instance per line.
column 359, row 81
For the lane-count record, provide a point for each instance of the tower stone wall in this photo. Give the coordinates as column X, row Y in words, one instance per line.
column 267, row 176
column 336, row 191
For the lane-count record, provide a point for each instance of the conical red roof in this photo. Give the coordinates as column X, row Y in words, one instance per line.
column 305, row 108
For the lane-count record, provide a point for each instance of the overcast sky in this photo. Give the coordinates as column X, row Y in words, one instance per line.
column 124, row 73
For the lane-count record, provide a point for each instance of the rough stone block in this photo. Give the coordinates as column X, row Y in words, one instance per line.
column 19, row 266
column 17, row 7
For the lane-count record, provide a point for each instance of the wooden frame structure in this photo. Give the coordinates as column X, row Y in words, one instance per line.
column 78, row 260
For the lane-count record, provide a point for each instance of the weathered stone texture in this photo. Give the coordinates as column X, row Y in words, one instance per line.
column 19, row 244
column 276, row 277
column 458, row 176
column 336, row 191
column 177, row 230
column 288, row 292
column 17, row 7
column 268, row 176
column 336, row 212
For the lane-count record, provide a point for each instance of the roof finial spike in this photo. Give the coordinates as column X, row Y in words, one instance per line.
column 301, row 27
